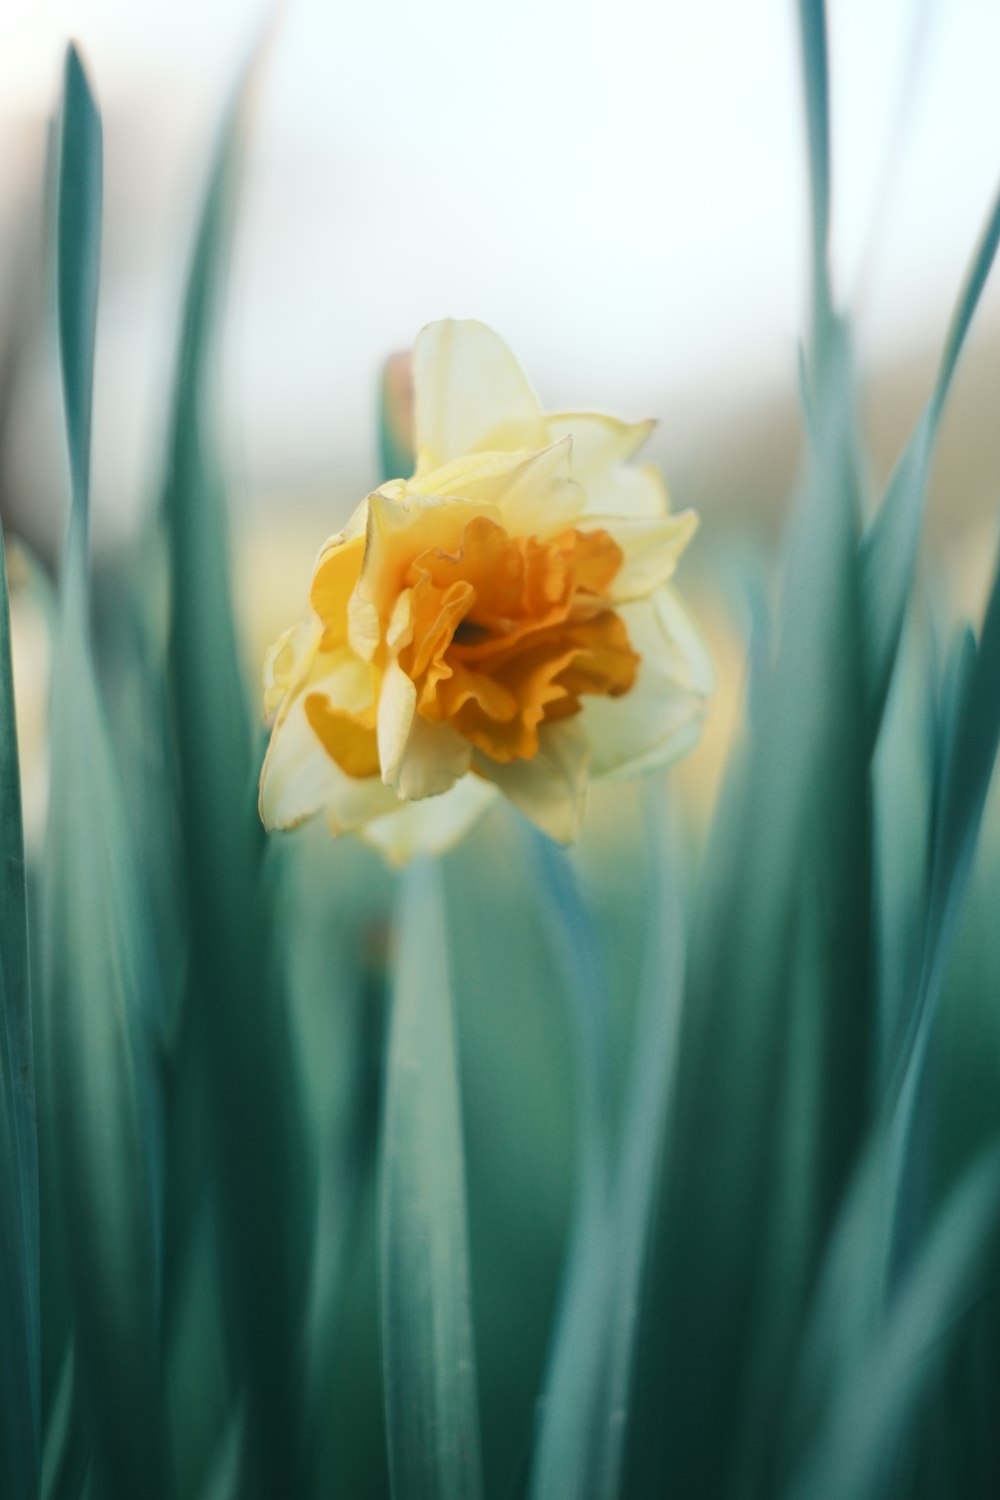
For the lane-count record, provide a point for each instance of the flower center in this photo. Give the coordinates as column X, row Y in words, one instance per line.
column 499, row 635
column 509, row 633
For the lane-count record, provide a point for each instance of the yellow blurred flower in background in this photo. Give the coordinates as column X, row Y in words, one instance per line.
column 501, row 622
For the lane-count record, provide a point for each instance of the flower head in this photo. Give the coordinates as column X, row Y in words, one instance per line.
column 502, row 621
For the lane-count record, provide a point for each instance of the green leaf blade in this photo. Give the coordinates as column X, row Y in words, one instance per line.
column 257, row 1151
column 20, row 1424
column 891, row 543
column 101, row 1007
column 78, row 256
column 102, row 1136
column 432, row 1413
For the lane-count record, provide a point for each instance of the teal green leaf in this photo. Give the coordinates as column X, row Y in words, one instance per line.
column 891, row 543
column 772, row 1087
column 571, row 1434
column 970, row 739
column 19, row 1235
column 862, row 1416
column 101, row 1006
column 649, row 1097
column 78, row 258
column 583, row 1415
column 432, row 1417
column 966, row 775
column 233, row 1037
column 815, row 73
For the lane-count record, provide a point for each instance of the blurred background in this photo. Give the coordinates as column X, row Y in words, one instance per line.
column 619, row 190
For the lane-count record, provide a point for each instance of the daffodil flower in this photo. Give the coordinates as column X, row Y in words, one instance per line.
column 502, row 622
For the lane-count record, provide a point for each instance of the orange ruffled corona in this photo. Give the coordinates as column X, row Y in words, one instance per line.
column 500, row 622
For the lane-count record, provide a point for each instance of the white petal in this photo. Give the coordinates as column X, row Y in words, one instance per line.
column 434, row 757
column 470, row 394
column 630, row 490
column 433, row 825
column 550, row 789
column 651, row 546
column 530, row 494
column 660, row 717
column 599, row 442
column 289, row 661
column 452, row 480
column 602, row 447
column 397, row 705
column 299, row 778
column 539, row 498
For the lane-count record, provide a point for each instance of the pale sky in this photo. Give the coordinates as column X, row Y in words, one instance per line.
column 618, row 188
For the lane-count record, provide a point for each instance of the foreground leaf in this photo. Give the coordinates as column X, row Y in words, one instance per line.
column 583, row 1416
column 19, row 1238
column 432, row 1417
column 233, row 1056
column 101, row 1004
column 863, row 1415
column 892, row 540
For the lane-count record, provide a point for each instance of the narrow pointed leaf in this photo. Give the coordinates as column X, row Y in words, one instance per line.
column 78, row 257
column 654, row 1057
column 815, row 71
column 891, row 543
column 234, row 1034
column 19, row 1243
column 432, row 1418
column 101, row 1006
column 863, row 1416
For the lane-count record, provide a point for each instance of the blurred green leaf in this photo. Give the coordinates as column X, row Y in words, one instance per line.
column 903, row 777
column 862, row 1417
column 774, row 1087
column 19, row 1235
column 571, row 1435
column 648, row 1098
column 432, row 1417
column 584, row 1410
column 233, row 1051
column 891, row 542
column 967, row 770
column 815, row 73
column 101, row 1003
column 970, row 739
column 78, row 260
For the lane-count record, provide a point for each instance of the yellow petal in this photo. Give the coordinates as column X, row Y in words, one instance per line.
column 334, row 578
column 349, row 739
column 299, row 779
column 550, row 789
column 400, row 526
column 660, row 717
column 431, row 826
column 470, row 394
